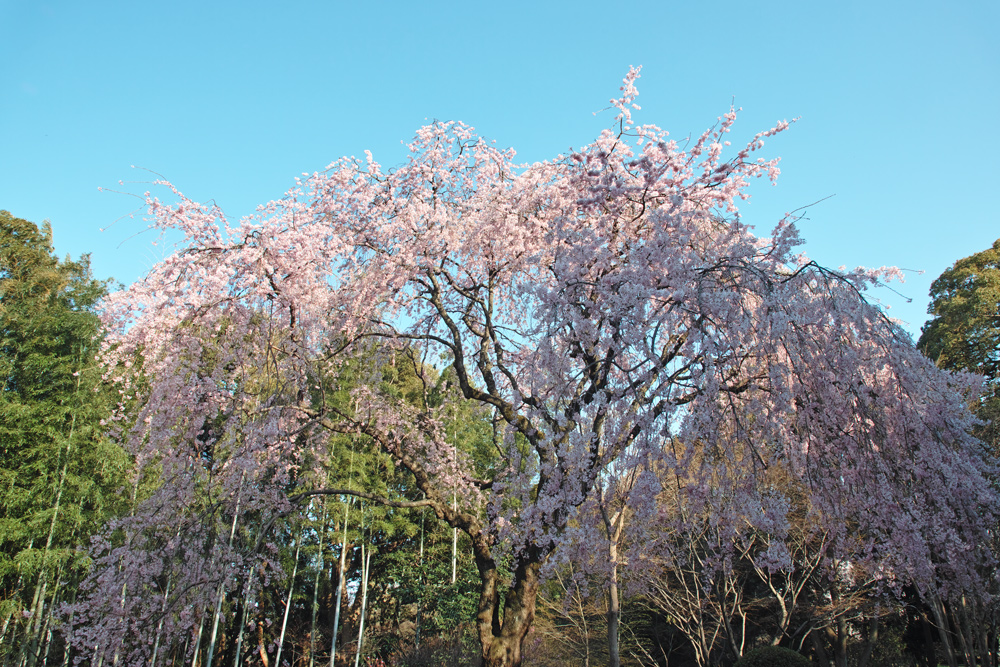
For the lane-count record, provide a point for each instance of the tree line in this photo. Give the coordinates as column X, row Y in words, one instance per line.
column 469, row 412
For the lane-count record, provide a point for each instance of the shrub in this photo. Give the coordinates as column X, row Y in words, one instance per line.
column 772, row 656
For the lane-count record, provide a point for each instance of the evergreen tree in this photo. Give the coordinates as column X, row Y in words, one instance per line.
column 965, row 331
column 59, row 477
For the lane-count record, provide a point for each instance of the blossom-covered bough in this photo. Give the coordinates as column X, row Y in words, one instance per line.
column 601, row 305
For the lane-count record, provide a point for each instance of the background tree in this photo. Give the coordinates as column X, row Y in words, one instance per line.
column 964, row 335
column 964, row 332
column 60, row 478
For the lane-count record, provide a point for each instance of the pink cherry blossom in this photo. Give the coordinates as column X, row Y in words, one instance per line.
column 602, row 305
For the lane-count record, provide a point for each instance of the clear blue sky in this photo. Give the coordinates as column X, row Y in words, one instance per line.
column 232, row 100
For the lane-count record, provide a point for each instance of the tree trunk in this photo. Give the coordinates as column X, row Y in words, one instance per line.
column 870, row 642
column 614, row 615
column 941, row 620
column 501, row 639
column 159, row 624
column 222, row 582
column 613, row 528
column 340, row 589
column 288, row 602
column 958, row 623
column 817, row 642
column 838, row 641
column 242, row 612
column 260, row 644
column 929, row 656
column 315, row 604
column 454, row 541
column 366, row 562
column 197, row 643
column 13, row 595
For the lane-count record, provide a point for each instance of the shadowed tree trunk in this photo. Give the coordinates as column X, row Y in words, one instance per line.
column 501, row 637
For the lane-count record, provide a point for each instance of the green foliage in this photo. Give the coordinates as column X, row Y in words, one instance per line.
column 772, row 656
column 60, row 479
column 965, row 331
column 415, row 613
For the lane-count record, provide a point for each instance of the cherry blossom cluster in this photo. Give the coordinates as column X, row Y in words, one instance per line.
column 610, row 307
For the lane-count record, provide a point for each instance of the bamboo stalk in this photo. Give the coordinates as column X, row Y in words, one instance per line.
column 222, row 583
column 365, row 567
column 288, row 602
column 243, row 618
column 315, row 604
column 340, row 586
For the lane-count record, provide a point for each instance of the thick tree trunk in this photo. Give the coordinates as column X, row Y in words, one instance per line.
column 870, row 642
column 837, row 635
column 817, row 642
column 501, row 638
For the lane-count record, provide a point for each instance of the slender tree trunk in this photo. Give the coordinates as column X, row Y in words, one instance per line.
column 44, row 634
column 366, row 562
column 288, row 601
column 613, row 526
column 121, row 604
column 585, row 627
column 340, row 588
column 66, row 644
column 454, row 541
column 315, row 604
column 47, row 644
column 244, row 612
column 29, row 645
column 222, row 584
column 197, row 642
column 981, row 613
column 614, row 612
column 29, row 648
column 941, row 620
column 960, row 623
column 17, row 591
column 420, row 598
column 159, row 624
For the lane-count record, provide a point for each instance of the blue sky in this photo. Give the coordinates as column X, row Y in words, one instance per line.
column 230, row 101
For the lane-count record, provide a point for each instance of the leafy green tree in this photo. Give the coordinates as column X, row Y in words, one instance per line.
column 965, row 331
column 964, row 335
column 59, row 477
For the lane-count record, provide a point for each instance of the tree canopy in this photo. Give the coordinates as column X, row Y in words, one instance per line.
column 964, row 333
column 600, row 306
column 60, row 478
